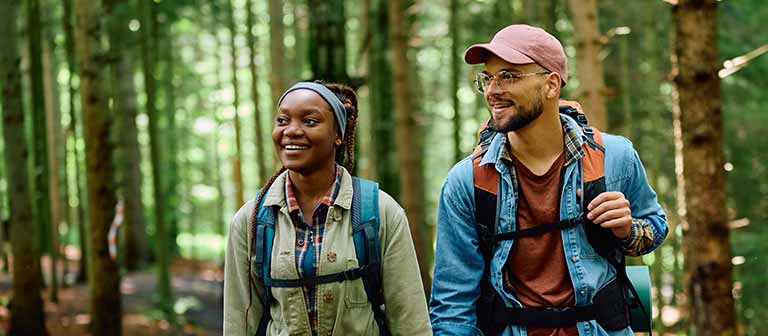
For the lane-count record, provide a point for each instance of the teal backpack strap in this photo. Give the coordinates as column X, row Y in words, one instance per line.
column 264, row 231
column 365, row 232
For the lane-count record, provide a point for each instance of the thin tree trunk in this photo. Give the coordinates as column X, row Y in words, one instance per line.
column 27, row 316
column 103, row 276
column 589, row 68
column 381, row 100
column 408, row 142
column 41, row 171
column 237, row 170
column 278, row 78
column 170, row 135
column 219, row 202
column 55, row 154
column 327, row 45
column 149, row 59
column 276, row 75
column 129, row 161
column 69, row 39
column 299, row 29
column 700, row 159
column 454, row 29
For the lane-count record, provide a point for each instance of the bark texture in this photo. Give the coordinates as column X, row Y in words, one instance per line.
column 589, row 68
column 699, row 129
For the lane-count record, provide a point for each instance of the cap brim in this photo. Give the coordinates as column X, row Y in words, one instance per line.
column 479, row 53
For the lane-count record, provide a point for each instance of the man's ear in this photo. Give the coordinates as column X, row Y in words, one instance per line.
column 553, row 86
column 338, row 141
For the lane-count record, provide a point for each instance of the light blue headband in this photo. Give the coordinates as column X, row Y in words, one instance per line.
column 328, row 96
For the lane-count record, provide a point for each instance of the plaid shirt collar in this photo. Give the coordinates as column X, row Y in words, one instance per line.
column 327, row 199
column 571, row 138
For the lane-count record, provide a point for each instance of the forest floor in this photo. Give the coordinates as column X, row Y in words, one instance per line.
column 197, row 288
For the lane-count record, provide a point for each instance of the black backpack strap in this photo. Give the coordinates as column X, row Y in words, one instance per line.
column 537, row 230
column 365, row 233
column 264, row 231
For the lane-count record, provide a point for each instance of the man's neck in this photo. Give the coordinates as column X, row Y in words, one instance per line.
column 540, row 143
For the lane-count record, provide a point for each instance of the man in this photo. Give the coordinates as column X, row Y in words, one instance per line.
column 553, row 281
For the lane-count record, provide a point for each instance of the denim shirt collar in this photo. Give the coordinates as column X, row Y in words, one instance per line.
column 573, row 138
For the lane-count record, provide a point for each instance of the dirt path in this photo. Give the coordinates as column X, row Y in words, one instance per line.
column 197, row 289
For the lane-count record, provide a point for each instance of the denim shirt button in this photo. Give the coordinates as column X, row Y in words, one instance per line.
column 583, row 292
column 575, row 258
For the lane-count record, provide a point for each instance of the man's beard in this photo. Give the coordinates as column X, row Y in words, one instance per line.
column 522, row 118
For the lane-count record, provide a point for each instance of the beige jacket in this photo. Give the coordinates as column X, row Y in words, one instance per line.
column 343, row 306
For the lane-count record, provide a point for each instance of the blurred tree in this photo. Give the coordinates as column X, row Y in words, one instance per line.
column 591, row 90
column 41, row 169
column 409, row 150
column 277, row 82
column 128, row 154
column 278, row 76
column 53, row 139
column 69, row 42
column 699, row 137
column 381, row 99
column 103, row 275
column 454, row 93
column 169, row 132
column 27, row 306
column 236, row 161
column 149, row 43
column 327, row 41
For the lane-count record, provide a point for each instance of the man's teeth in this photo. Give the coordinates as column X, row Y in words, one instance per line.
column 296, row 147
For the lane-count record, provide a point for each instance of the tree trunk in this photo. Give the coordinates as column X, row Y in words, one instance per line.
column 171, row 191
column 55, row 152
column 276, row 75
column 381, row 100
column 589, row 68
column 104, row 276
column 299, row 28
column 699, row 130
column 129, row 160
column 221, row 224
column 81, row 197
column 41, row 171
column 237, row 170
column 278, row 78
column 454, row 59
column 27, row 316
column 149, row 58
column 408, row 141
column 327, row 42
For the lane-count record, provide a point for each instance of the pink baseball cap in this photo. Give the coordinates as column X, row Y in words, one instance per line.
column 523, row 44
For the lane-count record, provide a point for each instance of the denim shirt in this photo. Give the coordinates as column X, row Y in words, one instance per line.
column 459, row 265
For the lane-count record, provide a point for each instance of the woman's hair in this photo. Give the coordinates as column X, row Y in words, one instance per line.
column 345, row 156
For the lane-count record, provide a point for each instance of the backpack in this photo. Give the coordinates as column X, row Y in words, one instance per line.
column 612, row 307
column 365, row 233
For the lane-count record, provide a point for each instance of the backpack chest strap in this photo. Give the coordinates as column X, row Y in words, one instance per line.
column 350, row 274
column 537, row 230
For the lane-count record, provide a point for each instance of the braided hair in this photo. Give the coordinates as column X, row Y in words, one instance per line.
column 345, row 156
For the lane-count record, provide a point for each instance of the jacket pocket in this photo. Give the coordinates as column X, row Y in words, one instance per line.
column 354, row 291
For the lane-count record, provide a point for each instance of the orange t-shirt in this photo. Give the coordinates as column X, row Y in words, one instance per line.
column 536, row 269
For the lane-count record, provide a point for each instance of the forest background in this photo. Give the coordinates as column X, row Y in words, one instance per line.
column 166, row 107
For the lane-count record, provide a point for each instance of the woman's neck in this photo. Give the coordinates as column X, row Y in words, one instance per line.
column 310, row 187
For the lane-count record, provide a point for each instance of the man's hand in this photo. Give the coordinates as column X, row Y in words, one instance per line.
column 611, row 211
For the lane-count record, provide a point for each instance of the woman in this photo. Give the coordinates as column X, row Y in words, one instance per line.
column 311, row 201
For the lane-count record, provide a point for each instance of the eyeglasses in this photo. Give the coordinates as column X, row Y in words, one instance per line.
column 503, row 79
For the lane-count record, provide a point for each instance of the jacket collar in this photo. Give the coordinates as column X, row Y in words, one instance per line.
column 574, row 139
column 276, row 193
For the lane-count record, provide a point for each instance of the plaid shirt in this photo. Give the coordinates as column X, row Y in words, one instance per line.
column 640, row 236
column 309, row 239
